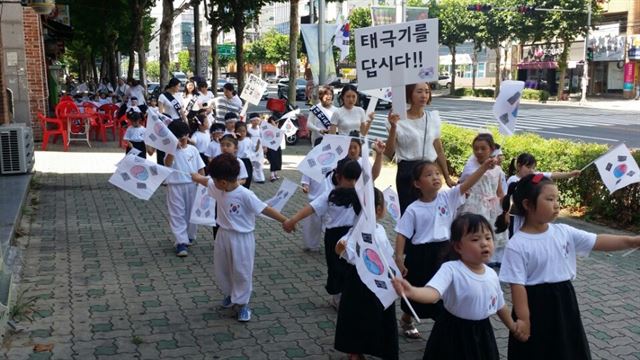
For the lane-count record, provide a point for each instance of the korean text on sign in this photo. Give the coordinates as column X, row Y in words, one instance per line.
column 397, row 54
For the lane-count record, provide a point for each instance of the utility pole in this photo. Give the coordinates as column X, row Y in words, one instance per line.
column 401, row 11
column 322, row 73
column 196, row 37
column 585, row 67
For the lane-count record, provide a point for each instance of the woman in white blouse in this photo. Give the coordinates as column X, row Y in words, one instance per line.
column 414, row 138
column 350, row 117
column 320, row 115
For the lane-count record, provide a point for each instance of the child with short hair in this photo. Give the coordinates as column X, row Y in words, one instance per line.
column 246, row 149
column 134, row 136
column 201, row 138
column 426, row 223
column 229, row 145
column 180, row 189
column 339, row 207
column 274, row 156
column 213, row 149
column 539, row 264
column 234, row 253
column 230, row 120
column 471, row 293
column 364, row 326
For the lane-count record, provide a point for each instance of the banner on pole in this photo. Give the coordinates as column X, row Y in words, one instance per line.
column 410, row 48
column 310, row 37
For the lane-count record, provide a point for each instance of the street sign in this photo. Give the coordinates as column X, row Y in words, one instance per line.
column 226, row 50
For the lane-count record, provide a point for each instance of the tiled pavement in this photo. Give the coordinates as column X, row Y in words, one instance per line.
column 110, row 287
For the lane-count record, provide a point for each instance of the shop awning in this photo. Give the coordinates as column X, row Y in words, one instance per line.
column 539, row 65
column 461, row 59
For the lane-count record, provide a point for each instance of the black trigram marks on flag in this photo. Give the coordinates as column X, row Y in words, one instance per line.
column 381, row 284
column 620, row 170
column 512, row 100
column 367, row 238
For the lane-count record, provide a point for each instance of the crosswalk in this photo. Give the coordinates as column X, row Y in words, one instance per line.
column 537, row 120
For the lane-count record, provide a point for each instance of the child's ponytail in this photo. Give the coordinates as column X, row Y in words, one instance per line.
column 502, row 224
column 512, row 168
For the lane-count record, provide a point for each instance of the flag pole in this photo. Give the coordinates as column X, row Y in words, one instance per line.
column 629, row 252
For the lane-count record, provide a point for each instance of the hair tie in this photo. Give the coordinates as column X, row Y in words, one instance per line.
column 536, row 178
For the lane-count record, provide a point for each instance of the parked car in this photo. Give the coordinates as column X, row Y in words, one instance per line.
column 283, row 88
column 220, row 84
column 272, row 79
column 180, row 76
column 151, row 87
column 444, row 81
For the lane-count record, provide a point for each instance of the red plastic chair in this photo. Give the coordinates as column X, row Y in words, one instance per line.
column 123, row 124
column 55, row 127
column 92, row 109
column 107, row 119
column 66, row 98
column 64, row 109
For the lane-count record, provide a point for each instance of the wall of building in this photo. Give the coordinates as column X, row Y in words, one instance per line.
column 15, row 65
column 36, row 67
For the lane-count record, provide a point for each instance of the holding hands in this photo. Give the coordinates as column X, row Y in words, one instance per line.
column 289, row 225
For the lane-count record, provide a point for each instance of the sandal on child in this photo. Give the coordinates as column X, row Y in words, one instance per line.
column 409, row 330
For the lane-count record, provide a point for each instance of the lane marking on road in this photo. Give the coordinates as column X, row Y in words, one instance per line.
column 580, row 136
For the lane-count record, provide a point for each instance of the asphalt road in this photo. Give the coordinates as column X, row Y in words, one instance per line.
column 549, row 121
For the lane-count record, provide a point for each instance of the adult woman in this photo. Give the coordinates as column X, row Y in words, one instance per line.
column 189, row 98
column 320, row 115
column 415, row 138
column 136, row 90
column 350, row 117
column 170, row 104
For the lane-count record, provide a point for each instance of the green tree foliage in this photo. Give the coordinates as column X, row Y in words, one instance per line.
column 153, row 70
column 359, row 18
column 184, row 61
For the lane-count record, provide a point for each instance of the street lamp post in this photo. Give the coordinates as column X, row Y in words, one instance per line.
column 585, row 67
column 196, row 37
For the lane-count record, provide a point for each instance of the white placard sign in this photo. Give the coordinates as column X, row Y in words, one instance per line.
column 203, row 211
column 383, row 52
column 253, row 89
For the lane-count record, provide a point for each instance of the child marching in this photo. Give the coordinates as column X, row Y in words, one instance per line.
column 426, row 223
column 246, row 149
column 258, row 158
column 234, row 253
column 539, row 263
column 471, row 293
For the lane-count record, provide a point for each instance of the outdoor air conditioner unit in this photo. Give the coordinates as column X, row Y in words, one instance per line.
column 16, row 149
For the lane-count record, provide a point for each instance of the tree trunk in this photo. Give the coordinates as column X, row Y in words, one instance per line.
column 165, row 41
column 498, row 63
column 94, row 68
column 562, row 64
column 238, row 27
column 215, row 67
column 474, row 68
column 452, row 89
column 294, row 31
column 132, row 63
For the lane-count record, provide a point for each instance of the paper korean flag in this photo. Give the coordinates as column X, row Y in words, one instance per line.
column 139, row 177
column 375, row 267
column 270, row 136
column 397, row 54
column 364, row 188
column 157, row 135
column 203, row 211
column 392, row 203
column 617, row 168
column 324, row 157
column 506, row 106
column 385, row 93
column 289, row 127
column 284, row 193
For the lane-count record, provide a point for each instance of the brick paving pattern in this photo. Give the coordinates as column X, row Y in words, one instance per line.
column 109, row 286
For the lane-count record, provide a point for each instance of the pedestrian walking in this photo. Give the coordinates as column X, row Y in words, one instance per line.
column 364, row 326
column 234, row 253
column 423, row 233
column 180, row 189
column 228, row 102
column 470, row 292
column 539, row 264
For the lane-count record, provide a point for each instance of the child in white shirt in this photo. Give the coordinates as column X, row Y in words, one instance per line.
column 134, row 136
column 201, row 138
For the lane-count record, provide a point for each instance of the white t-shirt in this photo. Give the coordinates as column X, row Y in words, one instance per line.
column 255, row 133
column 515, row 178
column 204, row 99
column 466, row 294
column 315, row 188
column 334, row 216
column 202, row 140
column 138, row 93
column 245, row 148
column 411, row 141
column 380, row 237
column 134, row 133
column 168, row 106
column 185, row 159
column 549, row 257
column 224, row 105
column 213, row 150
column 425, row 222
column 243, row 170
column 236, row 209
column 348, row 120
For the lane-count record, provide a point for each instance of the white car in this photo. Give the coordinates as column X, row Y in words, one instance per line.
column 444, row 81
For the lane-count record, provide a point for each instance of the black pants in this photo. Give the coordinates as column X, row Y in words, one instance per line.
column 138, row 145
column 249, row 167
column 404, row 183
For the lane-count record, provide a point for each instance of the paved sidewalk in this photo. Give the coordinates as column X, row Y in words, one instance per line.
column 110, row 287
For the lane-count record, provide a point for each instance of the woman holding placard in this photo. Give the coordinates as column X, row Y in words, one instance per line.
column 413, row 138
column 350, row 117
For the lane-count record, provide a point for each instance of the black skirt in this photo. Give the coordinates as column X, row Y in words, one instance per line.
column 275, row 159
column 364, row 326
column 404, row 184
column 138, row 145
column 556, row 326
column 336, row 266
column 249, row 167
column 160, row 157
column 422, row 262
column 453, row 338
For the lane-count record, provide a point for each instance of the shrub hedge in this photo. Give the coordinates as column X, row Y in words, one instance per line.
column 539, row 95
column 586, row 191
column 527, row 94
